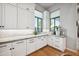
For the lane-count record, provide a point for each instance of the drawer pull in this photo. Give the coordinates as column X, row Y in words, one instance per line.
column 11, row 48
column 19, row 42
column 31, row 41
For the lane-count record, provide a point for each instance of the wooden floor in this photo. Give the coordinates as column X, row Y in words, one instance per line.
column 78, row 53
column 49, row 51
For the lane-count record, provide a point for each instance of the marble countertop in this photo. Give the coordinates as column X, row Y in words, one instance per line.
column 6, row 39
column 22, row 37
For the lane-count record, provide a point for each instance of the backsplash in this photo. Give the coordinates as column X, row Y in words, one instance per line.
column 9, row 33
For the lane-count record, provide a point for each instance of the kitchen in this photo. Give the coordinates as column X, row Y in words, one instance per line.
column 28, row 27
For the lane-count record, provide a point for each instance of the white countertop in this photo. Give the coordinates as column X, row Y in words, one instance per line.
column 6, row 39
column 13, row 38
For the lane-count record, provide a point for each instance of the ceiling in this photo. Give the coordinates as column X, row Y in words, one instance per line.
column 46, row 5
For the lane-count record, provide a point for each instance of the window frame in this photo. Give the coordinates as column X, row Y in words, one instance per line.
column 54, row 22
column 39, row 18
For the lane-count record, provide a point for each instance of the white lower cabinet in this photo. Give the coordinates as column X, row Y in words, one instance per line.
column 57, row 42
column 60, row 43
column 41, row 41
column 28, row 46
column 34, row 44
column 50, row 40
column 31, row 45
column 19, row 48
column 5, row 49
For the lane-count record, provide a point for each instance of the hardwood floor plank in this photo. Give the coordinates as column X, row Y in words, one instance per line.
column 50, row 51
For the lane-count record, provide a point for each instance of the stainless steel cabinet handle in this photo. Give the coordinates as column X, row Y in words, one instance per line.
column 19, row 42
column 3, row 46
column 31, row 41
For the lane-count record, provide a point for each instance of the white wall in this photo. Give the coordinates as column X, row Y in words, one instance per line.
column 68, row 21
column 46, row 21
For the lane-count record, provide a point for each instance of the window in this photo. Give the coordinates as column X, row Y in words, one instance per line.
column 55, row 21
column 38, row 21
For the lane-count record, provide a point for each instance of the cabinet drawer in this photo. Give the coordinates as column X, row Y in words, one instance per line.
column 19, row 42
column 31, row 40
column 5, row 47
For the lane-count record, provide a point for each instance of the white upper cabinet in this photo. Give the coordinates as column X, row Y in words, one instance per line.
column 25, row 16
column 17, row 16
column 27, row 6
column 10, row 16
column 22, row 18
column 0, row 14
column 14, row 4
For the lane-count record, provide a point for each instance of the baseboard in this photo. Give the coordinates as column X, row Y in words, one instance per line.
column 75, row 51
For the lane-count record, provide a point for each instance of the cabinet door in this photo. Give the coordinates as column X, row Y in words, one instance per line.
column 41, row 42
column 0, row 15
column 25, row 19
column 38, row 43
column 5, row 49
column 62, row 44
column 30, row 20
column 10, row 16
column 22, row 18
column 50, row 41
column 19, row 48
column 31, row 45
